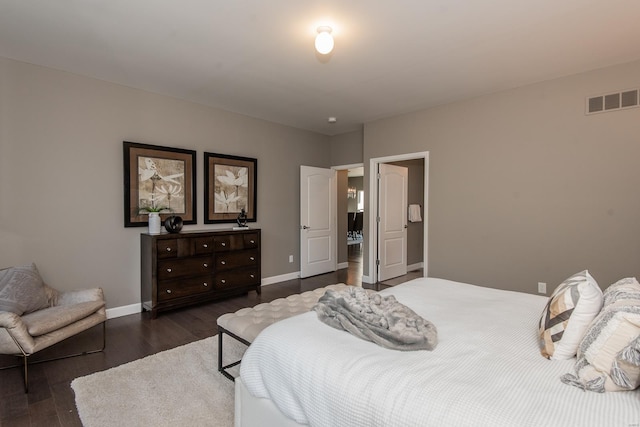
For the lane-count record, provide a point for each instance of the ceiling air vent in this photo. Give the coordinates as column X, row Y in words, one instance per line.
column 612, row 101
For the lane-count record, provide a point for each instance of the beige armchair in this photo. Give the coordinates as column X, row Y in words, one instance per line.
column 66, row 314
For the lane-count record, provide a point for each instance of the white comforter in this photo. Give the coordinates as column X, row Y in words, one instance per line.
column 486, row 370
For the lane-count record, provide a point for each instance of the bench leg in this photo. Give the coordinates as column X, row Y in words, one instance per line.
column 223, row 369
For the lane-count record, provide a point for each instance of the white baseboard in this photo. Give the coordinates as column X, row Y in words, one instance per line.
column 343, row 265
column 281, row 278
column 415, row 266
column 125, row 310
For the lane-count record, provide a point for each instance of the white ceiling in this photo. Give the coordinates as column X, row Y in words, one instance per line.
column 257, row 57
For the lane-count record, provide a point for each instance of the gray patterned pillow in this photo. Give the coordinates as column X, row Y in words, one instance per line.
column 609, row 354
column 22, row 290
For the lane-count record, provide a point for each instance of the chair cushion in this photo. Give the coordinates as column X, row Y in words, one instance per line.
column 50, row 319
column 22, row 290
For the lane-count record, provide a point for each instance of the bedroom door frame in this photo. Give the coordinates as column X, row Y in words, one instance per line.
column 372, row 247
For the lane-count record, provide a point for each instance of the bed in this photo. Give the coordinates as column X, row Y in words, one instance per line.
column 486, row 370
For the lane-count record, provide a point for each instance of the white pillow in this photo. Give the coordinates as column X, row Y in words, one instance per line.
column 565, row 319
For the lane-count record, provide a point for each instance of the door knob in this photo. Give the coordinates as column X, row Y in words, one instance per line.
column 304, row 227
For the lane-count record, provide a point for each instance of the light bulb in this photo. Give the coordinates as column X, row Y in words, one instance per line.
column 324, row 41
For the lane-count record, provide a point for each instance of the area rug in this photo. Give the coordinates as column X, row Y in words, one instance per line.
column 177, row 387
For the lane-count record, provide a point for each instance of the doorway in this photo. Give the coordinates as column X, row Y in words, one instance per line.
column 351, row 198
column 372, row 249
column 355, row 218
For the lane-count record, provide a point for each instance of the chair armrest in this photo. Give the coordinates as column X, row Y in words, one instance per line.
column 9, row 320
column 84, row 295
column 12, row 331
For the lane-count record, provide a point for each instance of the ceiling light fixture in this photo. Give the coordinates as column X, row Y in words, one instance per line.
column 324, row 40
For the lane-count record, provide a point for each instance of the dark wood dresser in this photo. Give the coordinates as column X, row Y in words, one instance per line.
column 196, row 266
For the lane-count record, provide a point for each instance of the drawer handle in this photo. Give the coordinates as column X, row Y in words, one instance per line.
column 205, row 245
column 168, row 270
column 253, row 241
column 168, row 249
column 168, row 291
column 252, row 276
column 223, row 244
column 205, row 265
column 223, row 281
column 205, row 284
column 223, row 262
column 252, row 258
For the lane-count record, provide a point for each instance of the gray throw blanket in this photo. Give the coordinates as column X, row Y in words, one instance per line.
column 372, row 317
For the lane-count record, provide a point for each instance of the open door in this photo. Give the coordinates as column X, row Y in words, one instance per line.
column 318, row 221
column 392, row 223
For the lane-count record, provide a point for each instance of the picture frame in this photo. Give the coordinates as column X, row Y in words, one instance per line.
column 158, row 177
column 230, row 185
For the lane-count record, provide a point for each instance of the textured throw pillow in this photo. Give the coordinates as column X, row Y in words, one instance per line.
column 624, row 289
column 609, row 354
column 22, row 290
column 565, row 319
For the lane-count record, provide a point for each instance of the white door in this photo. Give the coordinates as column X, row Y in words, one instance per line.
column 392, row 224
column 318, row 196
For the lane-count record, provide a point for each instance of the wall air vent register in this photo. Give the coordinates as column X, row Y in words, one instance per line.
column 612, row 101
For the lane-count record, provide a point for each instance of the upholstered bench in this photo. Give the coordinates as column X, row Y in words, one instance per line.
column 245, row 324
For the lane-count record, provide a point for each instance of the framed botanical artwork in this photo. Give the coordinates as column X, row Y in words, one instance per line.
column 230, row 187
column 158, row 179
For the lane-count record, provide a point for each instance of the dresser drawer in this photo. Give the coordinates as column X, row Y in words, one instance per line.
column 173, row 268
column 236, row 278
column 203, row 245
column 222, row 243
column 251, row 240
column 226, row 261
column 167, row 248
column 169, row 289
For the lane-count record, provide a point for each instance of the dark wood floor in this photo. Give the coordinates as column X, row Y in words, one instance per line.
column 50, row 401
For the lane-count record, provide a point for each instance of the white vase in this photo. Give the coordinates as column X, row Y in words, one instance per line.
column 154, row 223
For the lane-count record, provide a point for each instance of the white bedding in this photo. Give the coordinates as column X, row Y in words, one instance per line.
column 485, row 371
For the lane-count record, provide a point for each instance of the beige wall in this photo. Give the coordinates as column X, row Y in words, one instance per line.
column 61, row 174
column 346, row 149
column 523, row 186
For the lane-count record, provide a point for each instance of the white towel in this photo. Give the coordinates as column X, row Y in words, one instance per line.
column 414, row 213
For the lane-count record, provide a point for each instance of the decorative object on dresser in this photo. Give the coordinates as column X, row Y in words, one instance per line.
column 230, row 186
column 197, row 266
column 158, row 179
column 173, row 224
column 154, row 223
column 241, row 220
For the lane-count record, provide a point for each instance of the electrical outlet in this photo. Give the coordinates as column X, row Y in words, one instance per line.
column 542, row 288
column 290, row 258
